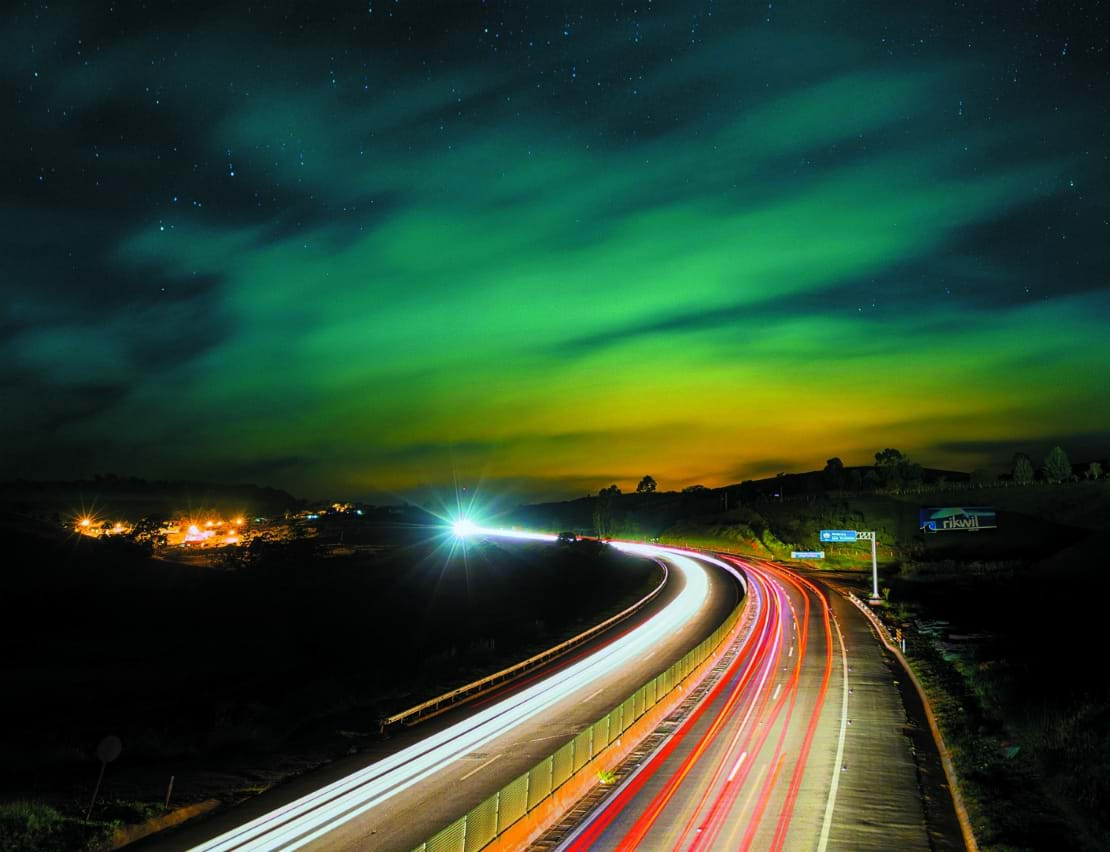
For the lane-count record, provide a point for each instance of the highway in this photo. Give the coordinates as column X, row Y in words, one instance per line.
column 802, row 740
column 802, row 744
column 405, row 790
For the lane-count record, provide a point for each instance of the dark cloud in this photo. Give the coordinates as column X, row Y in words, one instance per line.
column 1080, row 447
column 760, row 468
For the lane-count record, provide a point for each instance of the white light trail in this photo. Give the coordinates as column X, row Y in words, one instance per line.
column 310, row 817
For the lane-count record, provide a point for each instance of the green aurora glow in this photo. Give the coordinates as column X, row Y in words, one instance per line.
column 547, row 268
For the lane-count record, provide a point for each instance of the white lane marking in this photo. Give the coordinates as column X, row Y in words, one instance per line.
column 591, row 695
column 791, row 654
column 480, row 768
column 299, row 823
column 826, row 827
column 775, row 694
column 739, row 761
column 767, row 666
column 751, row 619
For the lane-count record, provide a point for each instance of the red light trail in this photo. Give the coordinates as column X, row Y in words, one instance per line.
column 722, row 760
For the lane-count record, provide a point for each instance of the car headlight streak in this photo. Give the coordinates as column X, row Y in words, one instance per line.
column 310, row 817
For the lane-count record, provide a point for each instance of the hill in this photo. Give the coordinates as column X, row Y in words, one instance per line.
column 990, row 617
column 1035, row 520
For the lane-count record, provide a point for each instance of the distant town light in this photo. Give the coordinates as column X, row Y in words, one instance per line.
column 86, row 522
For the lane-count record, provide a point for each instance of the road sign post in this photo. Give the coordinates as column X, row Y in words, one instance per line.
column 856, row 535
column 870, row 536
column 107, row 751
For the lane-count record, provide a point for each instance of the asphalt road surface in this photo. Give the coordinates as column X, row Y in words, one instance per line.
column 403, row 791
column 803, row 744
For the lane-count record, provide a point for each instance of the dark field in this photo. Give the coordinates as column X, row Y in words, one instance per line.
column 231, row 680
column 1013, row 655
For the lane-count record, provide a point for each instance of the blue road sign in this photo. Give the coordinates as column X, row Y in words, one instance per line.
column 839, row 535
column 807, row 554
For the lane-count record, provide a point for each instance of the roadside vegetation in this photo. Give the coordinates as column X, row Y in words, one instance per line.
column 1003, row 625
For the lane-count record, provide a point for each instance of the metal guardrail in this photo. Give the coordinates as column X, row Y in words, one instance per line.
column 484, row 823
column 467, row 692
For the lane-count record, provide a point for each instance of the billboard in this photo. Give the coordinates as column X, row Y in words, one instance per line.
column 958, row 518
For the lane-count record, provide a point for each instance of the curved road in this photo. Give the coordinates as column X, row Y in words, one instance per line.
column 803, row 743
column 438, row 770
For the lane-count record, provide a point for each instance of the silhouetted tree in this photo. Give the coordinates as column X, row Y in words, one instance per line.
column 646, row 486
column 886, row 467
column 889, row 457
column 1022, row 469
column 695, row 489
column 148, row 531
column 895, row 469
column 833, row 474
column 1094, row 470
column 604, row 508
column 1057, row 466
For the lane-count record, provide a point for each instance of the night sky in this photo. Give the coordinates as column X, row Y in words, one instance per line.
column 550, row 246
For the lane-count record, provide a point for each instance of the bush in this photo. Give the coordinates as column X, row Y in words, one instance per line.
column 1057, row 466
column 26, row 825
column 30, row 825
